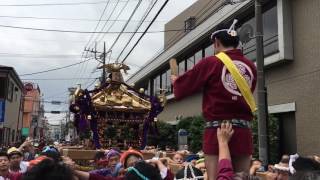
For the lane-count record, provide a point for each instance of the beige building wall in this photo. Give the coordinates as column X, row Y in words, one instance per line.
column 201, row 9
column 187, row 107
column 12, row 111
column 299, row 81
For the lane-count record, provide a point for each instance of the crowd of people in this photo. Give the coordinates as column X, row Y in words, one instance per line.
column 27, row 163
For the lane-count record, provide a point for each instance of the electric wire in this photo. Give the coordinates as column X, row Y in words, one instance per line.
column 146, row 30
column 54, row 69
column 53, row 4
column 152, row 5
column 74, row 19
column 113, row 23
column 107, row 20
column 125, row 26
column 84, row 32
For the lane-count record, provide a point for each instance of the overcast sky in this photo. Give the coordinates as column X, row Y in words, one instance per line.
column 31, row 51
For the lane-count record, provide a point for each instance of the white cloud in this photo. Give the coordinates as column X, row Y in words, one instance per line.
column 36, row 42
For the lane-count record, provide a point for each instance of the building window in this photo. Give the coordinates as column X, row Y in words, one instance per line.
column 270, row 38
column 1, row 136
column 13, row 135
column 10, row 91
column 156, row 85
column 182, row 67
column 198, row 56
column 148, row 88
column 2, row 87
column 209, row 51
column 168, row 85
column 190, row 62
column 8, row 135
column 164, row 80
column 189, row 24
column 16, row 90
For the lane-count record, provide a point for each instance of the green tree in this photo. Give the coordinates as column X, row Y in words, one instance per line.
column 273, row 139
column 167, row 136
column 194, row 125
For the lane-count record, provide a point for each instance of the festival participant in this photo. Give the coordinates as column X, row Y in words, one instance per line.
column 5, row 174
column 113, row 164
column 16, row 163
column 178, row 158
column 130, row 158
column 100, row 160
column 256, row 165
column 27, row 149
column 51, row 152
column 141, row 170
column 223, row 99
column 189, row 172
column 49, row 170
column 165, row 172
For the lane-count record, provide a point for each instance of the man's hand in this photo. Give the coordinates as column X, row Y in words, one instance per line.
column 26, row 143
column 173, row 78
column 69, row 162
column 225, row 133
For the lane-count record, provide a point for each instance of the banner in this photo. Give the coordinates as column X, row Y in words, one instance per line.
column 2, row 110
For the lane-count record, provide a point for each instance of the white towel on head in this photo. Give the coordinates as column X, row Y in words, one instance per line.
column 293, row 158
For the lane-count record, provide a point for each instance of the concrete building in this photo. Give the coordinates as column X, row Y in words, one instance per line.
column 11, row 100
column 33, row 112
column 291, row 48
column 55, row 132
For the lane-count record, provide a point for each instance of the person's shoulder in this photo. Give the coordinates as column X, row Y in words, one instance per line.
column 209, row 60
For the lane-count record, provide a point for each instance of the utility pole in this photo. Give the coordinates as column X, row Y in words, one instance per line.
column 103, row 81
column 262, row 93
column 261, row 87
column 102, row 60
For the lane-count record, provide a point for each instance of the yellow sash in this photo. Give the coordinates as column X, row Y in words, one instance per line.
column 239, row 79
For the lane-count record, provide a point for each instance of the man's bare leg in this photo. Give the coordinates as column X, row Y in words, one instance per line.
column 211, row 162
column 241, row 163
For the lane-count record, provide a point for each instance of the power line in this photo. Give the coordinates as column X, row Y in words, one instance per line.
column 154, row 18
column 54, row 69
column 91, row 83
column 54, row 79
column 138, row 27
column 39, row 55
column 97, row 25
column 107, row 20
column 113, row 23
column 53, row 4
column 126, row 25
column 74, row 19
column 91, row 36
column 83, row 32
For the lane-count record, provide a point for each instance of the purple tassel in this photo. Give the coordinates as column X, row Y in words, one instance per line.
column 94, row 129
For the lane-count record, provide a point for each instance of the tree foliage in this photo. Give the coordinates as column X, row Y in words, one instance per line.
column 168, row 135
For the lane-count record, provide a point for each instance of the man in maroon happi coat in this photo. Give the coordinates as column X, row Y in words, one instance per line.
column 222, row 99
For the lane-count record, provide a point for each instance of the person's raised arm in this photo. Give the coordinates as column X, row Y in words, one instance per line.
column 224, row 135
column 225, row 170
column 194, row 79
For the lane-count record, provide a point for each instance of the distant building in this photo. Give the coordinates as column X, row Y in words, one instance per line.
column 33, row 112
column 55, row 132
column 11, row 101
column 291, row 49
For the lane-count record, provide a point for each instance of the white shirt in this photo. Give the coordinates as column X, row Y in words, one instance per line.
column 23, row 167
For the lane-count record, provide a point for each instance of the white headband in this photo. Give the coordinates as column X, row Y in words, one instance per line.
column 231, row 31
column 293, row 158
